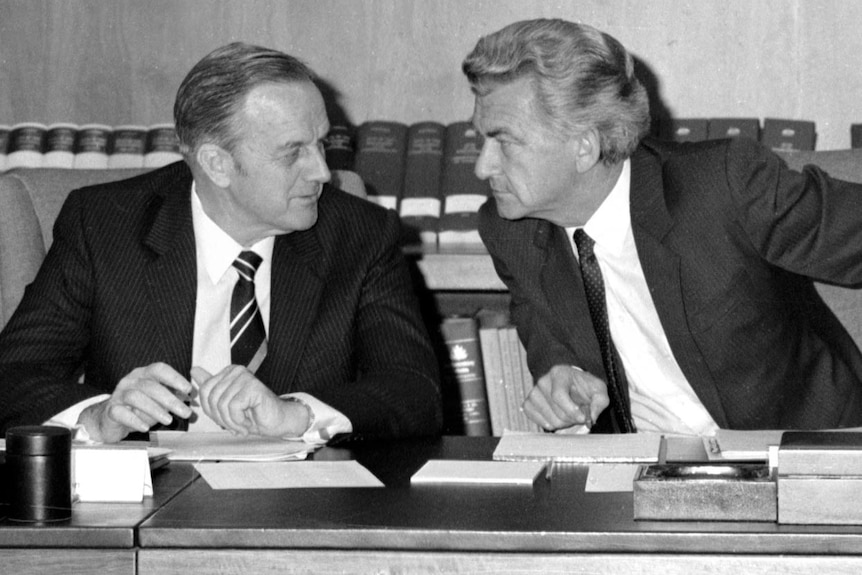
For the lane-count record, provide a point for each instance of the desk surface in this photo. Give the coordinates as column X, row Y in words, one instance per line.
column 96, row 525
column 551, row 516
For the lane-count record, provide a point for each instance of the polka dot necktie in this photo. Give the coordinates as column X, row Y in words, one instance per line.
column 247, row 334
column 595, row 289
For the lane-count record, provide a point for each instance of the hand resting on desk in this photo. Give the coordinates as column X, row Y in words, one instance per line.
column 566, row 396
column 238, row 401
column 234, row 398
column 146, row 396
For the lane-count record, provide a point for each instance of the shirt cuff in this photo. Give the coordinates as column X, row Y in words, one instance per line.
column 324, row 421
column 68, row 418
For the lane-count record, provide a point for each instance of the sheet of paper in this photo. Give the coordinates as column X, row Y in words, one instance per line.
column 285, row 475
column 598, row 448
column 224, row 446
column 442, row 471
column 606, row 477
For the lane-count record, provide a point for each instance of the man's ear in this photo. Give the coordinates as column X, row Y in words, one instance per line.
column 217, row 163
column 587, row 150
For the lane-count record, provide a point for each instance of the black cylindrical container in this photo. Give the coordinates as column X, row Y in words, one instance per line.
column 39, row 473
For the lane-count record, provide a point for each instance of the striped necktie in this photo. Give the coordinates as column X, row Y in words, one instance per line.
column 595, row 289
column 247, row 334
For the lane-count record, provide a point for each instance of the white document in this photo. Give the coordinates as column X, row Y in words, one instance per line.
column 591, row 448
column 225, row 446
column 284, row 475
column 442, row 471
column 607, row 477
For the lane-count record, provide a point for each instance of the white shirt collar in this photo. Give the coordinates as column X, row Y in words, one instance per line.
column 216, row 249
column 610, row 224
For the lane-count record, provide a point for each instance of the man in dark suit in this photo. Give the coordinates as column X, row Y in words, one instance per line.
column 656, row 286
column 138, row 289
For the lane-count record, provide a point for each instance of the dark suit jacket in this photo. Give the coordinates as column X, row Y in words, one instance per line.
column 117, row 291
column 728, row 239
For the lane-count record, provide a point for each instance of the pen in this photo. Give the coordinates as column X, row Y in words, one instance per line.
column 549, row 470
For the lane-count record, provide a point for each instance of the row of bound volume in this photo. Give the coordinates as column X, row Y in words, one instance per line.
column 776, row 134
column 87, row 146
column 486, row 379
column 425, row 171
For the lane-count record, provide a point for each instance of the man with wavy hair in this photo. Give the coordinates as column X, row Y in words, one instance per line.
column 655, row 286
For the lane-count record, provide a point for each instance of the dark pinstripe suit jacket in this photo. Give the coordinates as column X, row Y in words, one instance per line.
column 117, row 291
column 728, row 238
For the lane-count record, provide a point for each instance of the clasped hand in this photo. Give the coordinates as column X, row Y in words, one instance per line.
column 234, row 398
column 566, row 396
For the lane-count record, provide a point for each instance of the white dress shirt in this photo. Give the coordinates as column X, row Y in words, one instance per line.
column 216, row 277
column 661, row 397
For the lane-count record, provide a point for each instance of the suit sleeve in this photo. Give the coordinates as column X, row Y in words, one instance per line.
column 43, row 345
column 805, row 222
column 397, row 391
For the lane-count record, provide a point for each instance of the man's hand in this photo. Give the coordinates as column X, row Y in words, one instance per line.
column 148, row 395
column 236, row 400
column 566, row 396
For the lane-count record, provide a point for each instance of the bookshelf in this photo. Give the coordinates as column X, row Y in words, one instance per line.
column 467, row 269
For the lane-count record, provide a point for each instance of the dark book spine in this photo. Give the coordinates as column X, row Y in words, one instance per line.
column 60, row 146
column 734, row 128
column 4, row 145
column 163, row 146
column 856, row 135
column 127, row 147
column 462, row 191
column 340, row 147
column 26, row 148
column 420, row 203
column 785, row 135
column 380, row 160
column 465, row 374
column 686, row 129
column 91, row 146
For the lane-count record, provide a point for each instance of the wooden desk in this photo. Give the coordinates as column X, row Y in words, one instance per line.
column 553, row 527
column 99, row 538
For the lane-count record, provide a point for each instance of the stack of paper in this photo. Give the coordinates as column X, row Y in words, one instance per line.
column 598, row 448
column 225, row 446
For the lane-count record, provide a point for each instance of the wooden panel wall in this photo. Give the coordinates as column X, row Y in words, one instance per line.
column 120, row 61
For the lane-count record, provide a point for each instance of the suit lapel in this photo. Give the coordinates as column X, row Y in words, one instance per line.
column 171, row 275
column 562, row 284
column 297, row 283
column 652, row 226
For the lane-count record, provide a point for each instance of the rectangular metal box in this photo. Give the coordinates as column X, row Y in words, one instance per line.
column 705, row 492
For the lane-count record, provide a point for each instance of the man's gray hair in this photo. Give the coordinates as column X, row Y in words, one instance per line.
column 582, row 78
